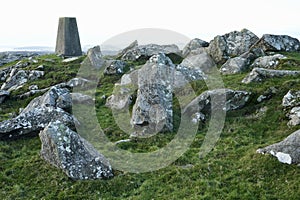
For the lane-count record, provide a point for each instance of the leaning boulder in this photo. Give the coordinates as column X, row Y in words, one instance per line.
column 53, row 105
column 66, row 150
column 193, row 45
column 270, row 42
column 232, row 44
column 261, row 74
column 286, row 151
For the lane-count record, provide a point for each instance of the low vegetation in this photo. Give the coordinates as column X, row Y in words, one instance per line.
column 232, row 170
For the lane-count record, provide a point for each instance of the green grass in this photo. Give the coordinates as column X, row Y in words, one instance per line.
column 232, row 170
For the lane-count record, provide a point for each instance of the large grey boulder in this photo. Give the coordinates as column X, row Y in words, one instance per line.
column 232, row 44
column 3, row 95
column 234, row 66
column 200, row 107
column 286, row 151
column 269, row 62
column 270, row 42
column 52, row 106
column 95, row 57
column 152, row 111
column 66, row 150
column 261, row 74
column 193, row 45
column 146, row 51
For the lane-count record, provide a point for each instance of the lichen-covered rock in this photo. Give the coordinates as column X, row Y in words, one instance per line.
column 270, row 42
column 291, row 99
column 152, row 111
column 3, row 95
column 201, row 105
column 234, row 66
column 261, row 74
column 269, row 62
column 114, row 67
column 193, row 45
column 146, row 51
column 232, row 44
column 53, row 105
column 286, row 151
column 66, row 150
column 294, row 116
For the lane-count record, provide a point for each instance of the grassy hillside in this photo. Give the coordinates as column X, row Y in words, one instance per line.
column 233, row 170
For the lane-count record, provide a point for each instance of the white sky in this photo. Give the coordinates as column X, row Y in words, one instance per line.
column 34, row 22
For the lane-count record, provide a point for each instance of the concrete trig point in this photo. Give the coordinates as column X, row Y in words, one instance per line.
column 67, row 41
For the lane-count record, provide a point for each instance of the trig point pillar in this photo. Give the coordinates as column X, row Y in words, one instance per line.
column 67, row 41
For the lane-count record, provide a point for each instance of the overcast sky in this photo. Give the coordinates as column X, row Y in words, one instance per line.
column 34, row 22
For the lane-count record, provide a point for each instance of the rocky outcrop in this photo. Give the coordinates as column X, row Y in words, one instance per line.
column 200, row 107
column 152, row 111
column 7, row 57
column 115, row 67
column 146, row 51
column 270, row 42
column 269, row 62
column 66, row 150
column 3, row 95
column 52, row 106
column 232, row 44
column 193, row 45
column 261, row 74
column 286, row 151
column 291, row 101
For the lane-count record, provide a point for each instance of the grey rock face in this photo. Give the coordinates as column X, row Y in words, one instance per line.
column 234, row 66
column 269, row 62
column 260, row 74
column 146, row 51
column 68, row 42
column 153, row 111
column 286, row 151
column 278, row 43
column 193, row 45
column 231, row 44
column 53, row 105
column 66, row 150
column 115, row 67
column 201, row 105
column 3, row 95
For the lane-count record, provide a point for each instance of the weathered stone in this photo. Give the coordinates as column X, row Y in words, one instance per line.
column 95, row 57
column 3, row 95
column 193, row 45
column 152, row 111
column 234, row 66
column 201, row 105
column 269, row 62
column 66, row 150
column 146, row 51
column 278, row 43
column 68, row 42
column 231, row 44
column 294, row 116
column 130, row 47
column 260, row 74
column 114, row 67
column 53, row 105
column 286, row 151
column 291, row 99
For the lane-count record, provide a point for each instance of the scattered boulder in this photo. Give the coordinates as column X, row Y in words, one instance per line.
column 66, row 150
column 115, row 67
column 269, row 62
column 286, row 151
column 294, row 116
column 232, row 44
column 200, row 107
column 3, row 95
column 261, row 74
column 291, row 99
column 234, row 66
column 146, row 51
column 193, row 45
column 52, row 106
column 152, row 111
column 270, row 42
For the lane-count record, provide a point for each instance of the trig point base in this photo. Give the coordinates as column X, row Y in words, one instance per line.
column 67, row 41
